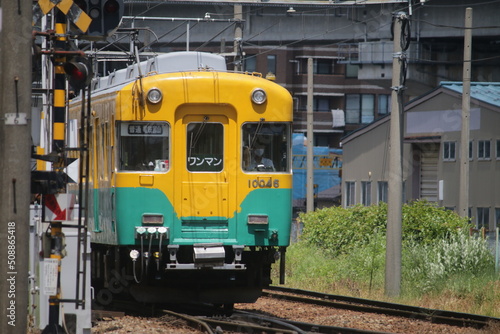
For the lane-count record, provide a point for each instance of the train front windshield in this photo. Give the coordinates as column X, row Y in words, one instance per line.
column 266, row 147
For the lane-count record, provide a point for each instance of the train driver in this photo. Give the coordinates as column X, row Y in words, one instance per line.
column 258, row 162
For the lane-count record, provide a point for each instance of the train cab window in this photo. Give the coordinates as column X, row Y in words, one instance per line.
column 143, row 146
column 205, row 147
column 265, row 147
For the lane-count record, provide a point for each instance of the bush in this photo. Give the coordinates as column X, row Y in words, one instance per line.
column 425, row 222
column 340, row 230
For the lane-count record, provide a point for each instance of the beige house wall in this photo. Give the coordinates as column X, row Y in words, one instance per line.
column 366, row 152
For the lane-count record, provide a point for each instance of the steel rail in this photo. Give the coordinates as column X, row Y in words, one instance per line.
column 249, row 327
column 194, row 322
column 302, row 327
column 373, row 306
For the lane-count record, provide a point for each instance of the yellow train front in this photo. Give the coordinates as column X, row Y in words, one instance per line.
column 190, row 179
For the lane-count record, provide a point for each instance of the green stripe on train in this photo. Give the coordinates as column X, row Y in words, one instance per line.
column 276, row 203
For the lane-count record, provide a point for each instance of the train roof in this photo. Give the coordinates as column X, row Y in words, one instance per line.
column 166, row 63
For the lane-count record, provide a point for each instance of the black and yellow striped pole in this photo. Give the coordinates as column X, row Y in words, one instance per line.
column 58, row 143
column 59, row 97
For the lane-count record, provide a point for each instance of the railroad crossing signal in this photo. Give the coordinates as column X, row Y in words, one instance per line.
column 95, row 18
column 79, row 72
column 67, row 7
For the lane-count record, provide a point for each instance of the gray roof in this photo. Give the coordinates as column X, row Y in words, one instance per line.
column 488, row 92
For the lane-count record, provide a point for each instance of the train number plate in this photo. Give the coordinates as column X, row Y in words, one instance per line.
column 264, row 182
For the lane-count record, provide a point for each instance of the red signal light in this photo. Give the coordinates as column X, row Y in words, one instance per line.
column 106, row 17
column 111, row 6
column 79, row 72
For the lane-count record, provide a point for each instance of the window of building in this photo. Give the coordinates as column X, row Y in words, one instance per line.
column 382, row 191
column 483, row 150
column 366, row 193
column 143, row 146
column 251, row 63
column 497, row 217
column 471, row 145
column 384, row 104
column 271, row 64
column 449, row 151
column 498, row 149
column 321, row 104
column 321, row 139
column 367, row 108
column 350, row 198
column 323, row 66
column 352, row 102
column 483, row 218
column 360, row 108
column 351, row 71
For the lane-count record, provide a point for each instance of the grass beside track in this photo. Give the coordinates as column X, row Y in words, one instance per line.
column 361, row 274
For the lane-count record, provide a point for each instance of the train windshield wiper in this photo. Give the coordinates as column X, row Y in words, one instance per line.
column 196, row 136
column 256, row 133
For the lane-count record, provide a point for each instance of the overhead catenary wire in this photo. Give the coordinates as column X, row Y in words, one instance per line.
column 216, row 35
column 141, row 16
column 248, row 41
column 278, row 22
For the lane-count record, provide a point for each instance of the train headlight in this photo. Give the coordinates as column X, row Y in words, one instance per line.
column 154, row 95
column 259, row 96
column 134, row 254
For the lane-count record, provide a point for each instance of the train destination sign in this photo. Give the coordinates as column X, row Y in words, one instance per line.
column 145, row 129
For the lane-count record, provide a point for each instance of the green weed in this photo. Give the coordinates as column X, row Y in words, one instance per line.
column 343, row 251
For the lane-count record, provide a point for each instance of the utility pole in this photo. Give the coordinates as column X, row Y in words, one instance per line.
column 15, row 157
column 310, row 141
column 463, row 202
column 395, row 198
column 238, row 38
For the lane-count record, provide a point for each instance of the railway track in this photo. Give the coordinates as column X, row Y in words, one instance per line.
column 379, row 307
column 250, row 322
column 269, row 318
column 208, row 320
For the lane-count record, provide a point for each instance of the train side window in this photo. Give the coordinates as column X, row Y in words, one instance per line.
column 143, row 146
column 266, row 147
column 205, row 147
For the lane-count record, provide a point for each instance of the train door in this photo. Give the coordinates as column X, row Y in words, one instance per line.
column 206, row 151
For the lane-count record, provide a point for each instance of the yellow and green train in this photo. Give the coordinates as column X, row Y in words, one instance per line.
column 190, row 180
